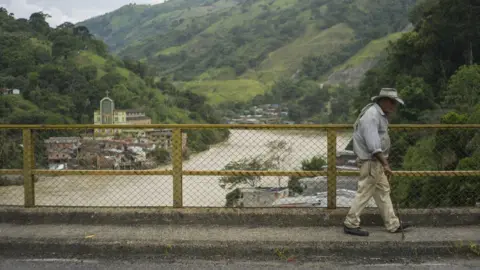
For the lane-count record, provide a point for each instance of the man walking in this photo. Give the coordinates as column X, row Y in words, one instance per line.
column 371, row 145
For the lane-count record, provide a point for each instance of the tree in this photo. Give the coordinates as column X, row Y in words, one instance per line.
column 66, row 25
column 286, row 90
column 315, row 97
column 418, row 97
column 341, row 104
column 463, row 92
column 82, row 32
column 10, row 150
column 421, row 10
column 161, row 155
column 38, row 22
column 297, row 112
column 137, row 67
column 17, row 58
column 276, row 154
column 65, row 45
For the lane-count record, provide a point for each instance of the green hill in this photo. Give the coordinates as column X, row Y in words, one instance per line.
column 262, row 40
column 133, row 22
column 63, row 73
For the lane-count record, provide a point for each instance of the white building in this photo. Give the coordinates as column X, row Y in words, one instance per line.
column 5, row 91
column 261, row 197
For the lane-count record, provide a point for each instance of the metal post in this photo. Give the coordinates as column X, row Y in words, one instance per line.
column 332, row 169
column 28, row 166
column 177, row 168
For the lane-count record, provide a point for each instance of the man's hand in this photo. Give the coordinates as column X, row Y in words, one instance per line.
column 386, row 167
column 387, row 170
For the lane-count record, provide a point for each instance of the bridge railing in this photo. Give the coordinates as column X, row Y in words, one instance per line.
column 254, row 166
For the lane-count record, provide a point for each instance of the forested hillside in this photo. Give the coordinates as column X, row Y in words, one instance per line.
column 436, row 70
column 221, row 47
column 262, row 39
column 63, row 73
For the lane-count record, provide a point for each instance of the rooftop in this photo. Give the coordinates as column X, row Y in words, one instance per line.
column 62, row 139
column 134, row 111
column 125, row 110
column 133, row 118
column 262, row 189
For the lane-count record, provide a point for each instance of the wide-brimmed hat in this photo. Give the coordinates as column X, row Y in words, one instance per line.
column 389, row 93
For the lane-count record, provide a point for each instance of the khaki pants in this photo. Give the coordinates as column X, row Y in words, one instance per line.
column 372, row 182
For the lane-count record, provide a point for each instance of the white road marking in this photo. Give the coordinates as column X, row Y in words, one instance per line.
column 434, row 264
column 402, row 264
column 58, row 260
column 385, row 264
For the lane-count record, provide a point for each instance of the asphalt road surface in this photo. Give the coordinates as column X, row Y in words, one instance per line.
column 73, row 264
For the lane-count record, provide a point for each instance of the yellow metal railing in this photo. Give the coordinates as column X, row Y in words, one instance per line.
column 29, row 170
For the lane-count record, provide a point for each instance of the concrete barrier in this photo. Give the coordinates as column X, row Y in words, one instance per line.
column 277, row 217
column 234, row 242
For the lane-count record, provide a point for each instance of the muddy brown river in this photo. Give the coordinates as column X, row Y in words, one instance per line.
column 197, row 190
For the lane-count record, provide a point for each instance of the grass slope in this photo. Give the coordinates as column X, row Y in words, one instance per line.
column 352, row 71
column 287, row 59
column 218, row 91
column 372, row 51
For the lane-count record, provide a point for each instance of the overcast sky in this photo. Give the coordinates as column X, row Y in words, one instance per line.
column 67, row 10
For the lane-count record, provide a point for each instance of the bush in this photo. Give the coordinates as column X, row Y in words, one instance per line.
column 314, row 164
column 161, row 155
column 232, row 198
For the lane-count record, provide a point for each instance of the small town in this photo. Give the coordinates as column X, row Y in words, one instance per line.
column 117, row 149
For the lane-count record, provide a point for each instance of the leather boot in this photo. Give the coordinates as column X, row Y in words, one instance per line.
column 355, row 231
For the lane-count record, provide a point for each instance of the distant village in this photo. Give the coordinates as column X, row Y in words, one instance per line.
column 117, row 149
column 262, row 114
column 108, row 153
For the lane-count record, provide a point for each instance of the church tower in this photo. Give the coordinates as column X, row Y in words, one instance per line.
column 107, row 109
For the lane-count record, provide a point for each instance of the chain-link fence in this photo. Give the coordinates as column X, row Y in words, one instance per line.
column 115, row 168
column 11, row 161
column 262, row 152
column 231, row 166
column 441, row 167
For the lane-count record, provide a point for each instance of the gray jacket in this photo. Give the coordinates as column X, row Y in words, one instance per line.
column 370, row 134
